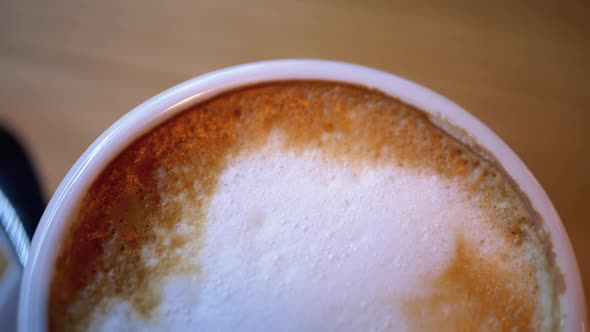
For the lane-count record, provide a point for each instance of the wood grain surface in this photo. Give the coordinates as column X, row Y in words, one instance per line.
column 69, row 69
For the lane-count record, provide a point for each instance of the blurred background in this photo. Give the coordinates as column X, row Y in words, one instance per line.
column 69, row 69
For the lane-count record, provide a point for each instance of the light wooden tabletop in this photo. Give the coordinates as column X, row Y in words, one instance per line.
column 69, row 69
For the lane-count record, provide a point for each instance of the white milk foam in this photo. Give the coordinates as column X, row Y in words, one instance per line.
column 297, row 242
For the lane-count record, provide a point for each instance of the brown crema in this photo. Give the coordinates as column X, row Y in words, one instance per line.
column 127, row 207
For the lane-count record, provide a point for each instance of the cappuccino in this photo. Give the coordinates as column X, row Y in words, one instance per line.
column 300, row 206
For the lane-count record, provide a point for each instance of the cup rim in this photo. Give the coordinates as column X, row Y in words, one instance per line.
column 32, row 314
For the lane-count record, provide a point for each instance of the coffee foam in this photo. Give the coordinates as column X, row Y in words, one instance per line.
column 297, row 242
column 302, row 206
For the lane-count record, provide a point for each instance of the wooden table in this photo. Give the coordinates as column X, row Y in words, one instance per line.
column 69, row 69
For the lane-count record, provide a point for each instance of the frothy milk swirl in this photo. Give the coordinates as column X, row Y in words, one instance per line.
column 319, row 232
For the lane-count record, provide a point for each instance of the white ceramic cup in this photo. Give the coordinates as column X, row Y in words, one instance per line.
column 38, row 271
